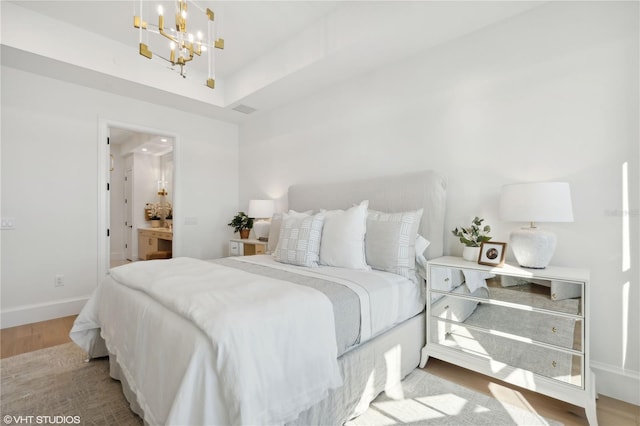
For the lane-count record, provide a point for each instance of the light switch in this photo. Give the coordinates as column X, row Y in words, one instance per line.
column 190, row 220
column 8, row 223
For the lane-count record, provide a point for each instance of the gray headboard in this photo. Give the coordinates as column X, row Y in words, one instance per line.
column 392, row 194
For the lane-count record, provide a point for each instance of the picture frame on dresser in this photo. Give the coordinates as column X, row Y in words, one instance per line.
column 492, row 253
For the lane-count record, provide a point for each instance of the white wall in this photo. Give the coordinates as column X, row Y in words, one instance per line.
column 548, row 95
column 50, row 185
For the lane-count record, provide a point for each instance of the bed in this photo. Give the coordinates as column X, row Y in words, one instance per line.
column 273, row 339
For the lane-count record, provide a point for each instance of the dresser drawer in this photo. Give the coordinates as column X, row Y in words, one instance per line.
column 445, row 279
column 534, row 326
column 236, row 248
column 539, row 359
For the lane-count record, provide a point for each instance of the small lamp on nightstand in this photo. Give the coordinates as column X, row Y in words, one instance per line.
column 535, row 202
column 261, row 210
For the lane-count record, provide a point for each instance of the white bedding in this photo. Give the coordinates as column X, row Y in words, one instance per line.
column 195, row 388
column 386, row 299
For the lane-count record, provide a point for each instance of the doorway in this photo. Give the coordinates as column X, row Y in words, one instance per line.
column 140, row 188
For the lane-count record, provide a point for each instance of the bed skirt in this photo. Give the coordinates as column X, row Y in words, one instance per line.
column 378, row 365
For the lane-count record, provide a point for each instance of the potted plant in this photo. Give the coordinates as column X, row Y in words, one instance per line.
column 242, row 223
column 472, row 237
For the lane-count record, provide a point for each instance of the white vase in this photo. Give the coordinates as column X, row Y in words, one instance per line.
column 471, row 253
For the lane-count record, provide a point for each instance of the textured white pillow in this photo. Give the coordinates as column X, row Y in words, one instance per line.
column 390, row 242
column 343, row 237
column 299, row 240
column 274, row 230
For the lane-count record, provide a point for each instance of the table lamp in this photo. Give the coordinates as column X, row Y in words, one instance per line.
column 535, row 202
column 261, row 210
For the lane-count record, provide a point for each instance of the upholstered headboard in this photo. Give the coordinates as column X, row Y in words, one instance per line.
column 392, row 194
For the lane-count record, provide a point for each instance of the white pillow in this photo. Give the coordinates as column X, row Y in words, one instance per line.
column 299, row 240
column 391, row 242
column 421, row 245
column 343, row 237
column 274, row 229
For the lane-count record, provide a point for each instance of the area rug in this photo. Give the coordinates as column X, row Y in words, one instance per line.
column 429, row 400
column 57, row 381
column 57, row 386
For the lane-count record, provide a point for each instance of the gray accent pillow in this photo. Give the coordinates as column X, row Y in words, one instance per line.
column 274, row 232
column 390, row 241
column 299, row 240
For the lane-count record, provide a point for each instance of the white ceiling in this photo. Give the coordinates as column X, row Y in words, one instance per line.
column 248, row 27
column 132, row 141
column 275, row 51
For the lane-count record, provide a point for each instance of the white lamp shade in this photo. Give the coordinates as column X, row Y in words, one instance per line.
column 536, row 202
column 261, row 209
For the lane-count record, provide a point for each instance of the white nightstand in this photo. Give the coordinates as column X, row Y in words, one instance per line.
column 240, row 247
column 528, row 327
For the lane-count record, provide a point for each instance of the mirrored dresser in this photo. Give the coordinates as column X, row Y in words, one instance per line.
column 528, row 327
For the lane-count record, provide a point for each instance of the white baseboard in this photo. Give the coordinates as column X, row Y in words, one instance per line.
column 617, row 383
column 117, row 255
column 41, row 312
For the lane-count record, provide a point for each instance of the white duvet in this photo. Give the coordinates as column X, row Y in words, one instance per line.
column 181, row 374
column 250, row 322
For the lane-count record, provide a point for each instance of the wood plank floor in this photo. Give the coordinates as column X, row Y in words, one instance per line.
column 611, row 412
column 31, row 337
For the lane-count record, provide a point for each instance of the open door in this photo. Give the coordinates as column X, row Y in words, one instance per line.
column 141, row 163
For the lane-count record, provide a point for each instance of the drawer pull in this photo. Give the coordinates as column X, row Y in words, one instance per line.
column 555, row 330
column 446, row 280
column 555, row 364
column 446, row 307
column 553, row 296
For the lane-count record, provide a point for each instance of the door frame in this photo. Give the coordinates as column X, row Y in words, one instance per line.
column 103, row 217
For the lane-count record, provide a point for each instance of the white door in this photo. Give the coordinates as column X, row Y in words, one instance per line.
column 128, row 215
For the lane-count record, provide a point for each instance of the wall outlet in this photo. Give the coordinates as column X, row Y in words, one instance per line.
column 8, row 223
column 59, row 281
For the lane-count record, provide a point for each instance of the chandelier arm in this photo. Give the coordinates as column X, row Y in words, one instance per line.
column 182, row 43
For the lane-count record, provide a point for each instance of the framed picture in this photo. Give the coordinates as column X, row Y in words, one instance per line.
column 492, row 253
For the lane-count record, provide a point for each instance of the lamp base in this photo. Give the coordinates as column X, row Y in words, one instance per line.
column 261, row 229
column 533, row 247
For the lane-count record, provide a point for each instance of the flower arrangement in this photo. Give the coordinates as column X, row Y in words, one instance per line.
column 474, row 235
column 158, row 211
column 154, row 213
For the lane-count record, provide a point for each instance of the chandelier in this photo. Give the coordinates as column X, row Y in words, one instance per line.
column 183, row 45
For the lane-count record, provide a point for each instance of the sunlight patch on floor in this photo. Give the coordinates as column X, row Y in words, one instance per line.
column 512, row 401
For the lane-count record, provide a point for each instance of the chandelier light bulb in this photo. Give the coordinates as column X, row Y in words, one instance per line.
column 199, row 34
column 172, row 45
column 160, row 10
column 190, row 38
column 184, row 14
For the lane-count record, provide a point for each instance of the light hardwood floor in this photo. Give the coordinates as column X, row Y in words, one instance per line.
column 611, row 412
